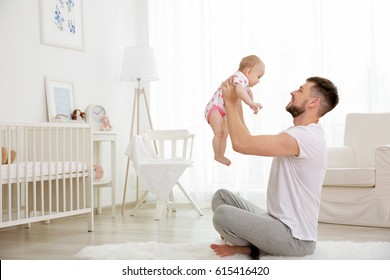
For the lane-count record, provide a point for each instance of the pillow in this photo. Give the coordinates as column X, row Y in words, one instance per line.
column 340, row 157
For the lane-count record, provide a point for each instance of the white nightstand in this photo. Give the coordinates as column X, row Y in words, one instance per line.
column 98, row 138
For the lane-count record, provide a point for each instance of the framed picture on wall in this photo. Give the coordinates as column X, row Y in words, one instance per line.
column 59, row 99
column 62, row 23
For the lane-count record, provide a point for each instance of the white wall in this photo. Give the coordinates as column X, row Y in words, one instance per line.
column 109, row 26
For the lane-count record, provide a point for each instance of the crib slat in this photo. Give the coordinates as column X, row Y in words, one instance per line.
column 63, row 166
column 77, row 174
column 42, row 180
column 50, row 201
column 26, row 149
column 34, row 172
column 9, row 175
column 57, row 148
column 70, row 173
column 85, row 147
column 17, row 142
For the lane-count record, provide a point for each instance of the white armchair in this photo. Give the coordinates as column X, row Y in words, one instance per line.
column 356, row 188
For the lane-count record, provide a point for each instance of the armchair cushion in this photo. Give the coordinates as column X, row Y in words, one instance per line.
column 350, row 177
column 341, row 171
column 340, row 157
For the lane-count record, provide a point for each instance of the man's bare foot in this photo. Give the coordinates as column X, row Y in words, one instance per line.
column 223, row 160
column 224, row 250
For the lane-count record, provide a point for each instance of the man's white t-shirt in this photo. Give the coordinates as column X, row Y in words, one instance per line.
column 295, row 182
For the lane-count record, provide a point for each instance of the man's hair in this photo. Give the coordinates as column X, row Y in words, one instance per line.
column 249, row 62
column 326, row 91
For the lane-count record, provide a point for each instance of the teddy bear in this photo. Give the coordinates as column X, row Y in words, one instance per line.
column 77, row 115
column 4, row 155
column 105, row 125
column 98, row 171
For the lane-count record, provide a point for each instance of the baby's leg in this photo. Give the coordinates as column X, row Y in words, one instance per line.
column 218, row 125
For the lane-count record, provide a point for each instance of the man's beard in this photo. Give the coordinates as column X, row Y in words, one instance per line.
column 296, row 111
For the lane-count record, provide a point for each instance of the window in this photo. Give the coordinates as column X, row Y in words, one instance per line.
column 199, row 43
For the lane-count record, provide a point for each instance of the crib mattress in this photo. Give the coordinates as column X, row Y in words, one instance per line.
column 27, row 171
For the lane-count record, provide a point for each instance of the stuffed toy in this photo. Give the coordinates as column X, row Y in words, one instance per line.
column 106, row 125
column 4, row 155
column 77, row 115
column 98, row 171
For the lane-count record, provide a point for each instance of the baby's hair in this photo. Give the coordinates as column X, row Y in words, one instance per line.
column 249, row 62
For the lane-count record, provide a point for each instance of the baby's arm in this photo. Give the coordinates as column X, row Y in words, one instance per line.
column 247, row 97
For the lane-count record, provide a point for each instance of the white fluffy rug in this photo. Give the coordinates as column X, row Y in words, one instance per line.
column 326, row 250
column 151, row 251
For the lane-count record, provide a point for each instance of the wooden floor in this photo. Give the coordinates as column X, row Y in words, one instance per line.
column 63, row 238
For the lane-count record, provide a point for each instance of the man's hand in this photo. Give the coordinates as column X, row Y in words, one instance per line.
column 229, row 91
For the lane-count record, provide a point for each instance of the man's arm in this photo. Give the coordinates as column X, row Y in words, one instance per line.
column 241, row 115
column 243, row 142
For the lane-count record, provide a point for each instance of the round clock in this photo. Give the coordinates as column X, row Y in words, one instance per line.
column 94, row 115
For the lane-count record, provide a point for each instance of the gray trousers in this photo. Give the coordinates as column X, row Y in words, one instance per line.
column 242, row 223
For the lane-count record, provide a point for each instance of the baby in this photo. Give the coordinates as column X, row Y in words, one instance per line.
column 250, row 71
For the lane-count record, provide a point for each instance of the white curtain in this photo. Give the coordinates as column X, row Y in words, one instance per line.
column 199, row 43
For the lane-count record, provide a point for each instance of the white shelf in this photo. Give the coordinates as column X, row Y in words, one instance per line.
column 101, row 182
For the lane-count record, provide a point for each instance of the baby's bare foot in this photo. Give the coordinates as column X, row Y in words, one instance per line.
column 223, row 160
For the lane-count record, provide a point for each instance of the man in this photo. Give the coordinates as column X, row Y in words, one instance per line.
column 289, row 228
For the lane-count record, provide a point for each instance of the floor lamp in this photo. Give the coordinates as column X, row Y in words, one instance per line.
column 139, row 64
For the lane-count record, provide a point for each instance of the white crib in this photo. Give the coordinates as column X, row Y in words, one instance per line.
column 51, row 175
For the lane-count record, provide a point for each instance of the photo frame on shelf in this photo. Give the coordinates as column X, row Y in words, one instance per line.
column 62, row 23
column 59, row 99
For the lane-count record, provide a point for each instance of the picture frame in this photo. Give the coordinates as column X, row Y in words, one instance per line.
column 59, row 99
column 61, row 23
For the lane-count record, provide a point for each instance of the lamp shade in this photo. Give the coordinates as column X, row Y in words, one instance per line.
column 139, row 64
